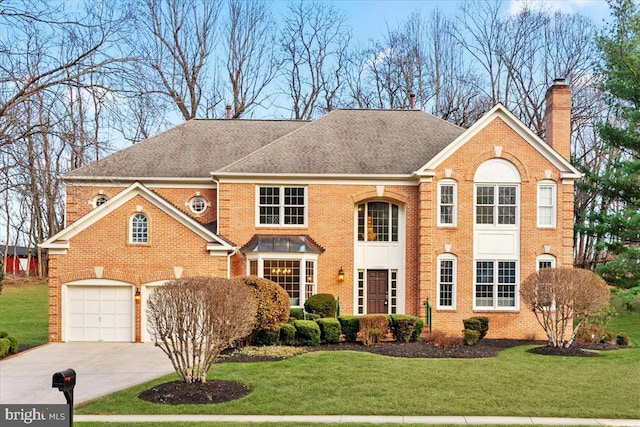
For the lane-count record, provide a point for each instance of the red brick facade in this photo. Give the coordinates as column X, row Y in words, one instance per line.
column 331, row 222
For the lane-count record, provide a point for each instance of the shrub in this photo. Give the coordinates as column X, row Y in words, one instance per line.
column 350, row 326
column 193, row 319
column 288, row 334
column 373, row 327
column 402, row 326
column 13, row 344
column 5, row 345
column 470, row 336
column 626, row 299
column 622, row 339
column 4, row 334
column 297, row 313
column 472, row 323
column 322, row 304
column 265, row 337
column 484, row 325
column 313, row 316
column 329, row 330
column 307, row 332
column 591, row 333
column 272, row 302
column 564, row 297
column 417, row 331
column 440, row 339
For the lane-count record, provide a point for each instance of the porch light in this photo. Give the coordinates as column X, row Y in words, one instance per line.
column 137, row 296
column 341, row 274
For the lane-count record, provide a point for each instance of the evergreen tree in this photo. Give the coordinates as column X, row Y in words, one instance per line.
column 620, row 183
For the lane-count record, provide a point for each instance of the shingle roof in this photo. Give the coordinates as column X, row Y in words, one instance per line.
column 354, row 142
column 192, row 149
column 341, row 142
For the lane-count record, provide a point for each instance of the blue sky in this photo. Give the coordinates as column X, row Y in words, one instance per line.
column 370, row 18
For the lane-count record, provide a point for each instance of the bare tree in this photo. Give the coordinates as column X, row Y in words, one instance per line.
column 176, row 39
column 314, row 42
column 252, row 61
column 192, row 320
column 563, row 299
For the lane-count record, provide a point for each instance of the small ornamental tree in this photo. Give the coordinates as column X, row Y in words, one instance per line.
column 563, row 299
column 193, row 319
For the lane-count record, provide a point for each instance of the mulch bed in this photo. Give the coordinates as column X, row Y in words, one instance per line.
column 214, row 391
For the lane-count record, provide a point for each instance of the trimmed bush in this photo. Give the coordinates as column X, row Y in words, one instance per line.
column 479, row 323
column 273, row 307
column 329, row 330
column 307, row 332
column 418, row 329
column 266, row 337
column 373, row 327
column 470, row 336
column 313, row 316
column 5, row 345
column 402, row 326
column 297, row 313
column 350, row 326
column 13, row 344
column 440, row 339
column 322, row 304
column 288, row 334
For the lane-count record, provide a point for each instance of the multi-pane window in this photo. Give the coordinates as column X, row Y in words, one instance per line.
column 447, row 203
column 310, row 278
column 197, row 205
column 281, row 205
column 546, row 205
column 546, row 261
column 496, row 204
column 394, row 291
column 361, row 292
column 378, row 222
column 446, row 282
column 286, row 273
column 139, row 229
column 495, row 285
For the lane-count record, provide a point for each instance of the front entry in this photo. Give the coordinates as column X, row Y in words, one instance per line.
column 377, row 291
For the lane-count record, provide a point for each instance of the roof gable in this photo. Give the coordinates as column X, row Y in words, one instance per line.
column 499, row 111
column 60, row 241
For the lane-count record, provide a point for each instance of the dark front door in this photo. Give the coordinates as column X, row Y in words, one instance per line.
column 377, row 294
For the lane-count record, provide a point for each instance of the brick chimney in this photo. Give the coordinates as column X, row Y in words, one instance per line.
column 229, row 115
column 557, row 117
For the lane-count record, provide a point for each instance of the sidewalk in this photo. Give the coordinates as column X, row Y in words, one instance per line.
column 343, row 419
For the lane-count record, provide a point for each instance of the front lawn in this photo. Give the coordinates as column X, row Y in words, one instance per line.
column 516, row 383
column 24, row 310
column 629, row 323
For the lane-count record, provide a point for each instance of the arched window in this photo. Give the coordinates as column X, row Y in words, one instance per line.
column 99, row 200
column 497, row 194
column 139, row 228
column 378, row 222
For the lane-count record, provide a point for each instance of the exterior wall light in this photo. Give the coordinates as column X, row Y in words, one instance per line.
column 137, row 297
column 341, row 274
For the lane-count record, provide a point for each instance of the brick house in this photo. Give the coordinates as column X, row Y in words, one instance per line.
column 409, row 207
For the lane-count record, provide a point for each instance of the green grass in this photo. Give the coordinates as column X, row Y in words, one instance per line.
column 516, row 383
column 629, row 323
column 24, row 313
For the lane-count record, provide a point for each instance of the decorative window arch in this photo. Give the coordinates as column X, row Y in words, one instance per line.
column 378, row 221
column 139, row 229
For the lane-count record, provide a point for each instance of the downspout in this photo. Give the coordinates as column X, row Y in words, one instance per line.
column 229, row 255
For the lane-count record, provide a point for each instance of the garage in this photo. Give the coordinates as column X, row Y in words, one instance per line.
column 100, row 313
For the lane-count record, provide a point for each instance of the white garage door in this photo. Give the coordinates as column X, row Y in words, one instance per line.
column 100, row 313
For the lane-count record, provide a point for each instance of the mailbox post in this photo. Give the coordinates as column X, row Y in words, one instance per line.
column 65, row 381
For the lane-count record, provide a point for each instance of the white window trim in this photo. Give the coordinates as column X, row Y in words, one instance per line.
column 94, row 202
column 454, row 184
column 448, row 257
column 496, row 187
column 131, row 229
column 302, row 258
column 495, row 284
column 191, row 202
column 554, row 203
column 390, row 204
column 281, row 223
column 545, row 257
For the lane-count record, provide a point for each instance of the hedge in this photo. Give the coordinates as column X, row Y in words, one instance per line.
column 288, row 334
column 307, row 332
column 403, row 327
column 322, row 304
column 350, row 326
column 329, row 330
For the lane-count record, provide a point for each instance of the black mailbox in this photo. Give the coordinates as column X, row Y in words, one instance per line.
column 64, row 380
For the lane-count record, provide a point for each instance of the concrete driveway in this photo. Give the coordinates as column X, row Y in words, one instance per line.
column 101, row 369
